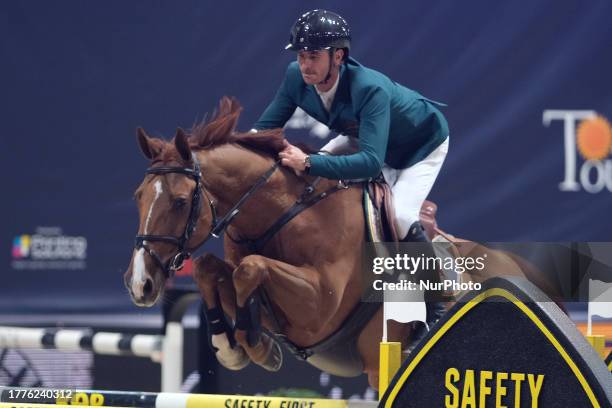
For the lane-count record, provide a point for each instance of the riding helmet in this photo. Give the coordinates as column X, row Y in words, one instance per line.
column 318, row 30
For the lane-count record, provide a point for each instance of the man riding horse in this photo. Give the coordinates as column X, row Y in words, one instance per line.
column 289, row 275
column 382, row 125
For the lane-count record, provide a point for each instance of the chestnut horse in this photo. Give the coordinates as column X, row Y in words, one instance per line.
column 299, row 285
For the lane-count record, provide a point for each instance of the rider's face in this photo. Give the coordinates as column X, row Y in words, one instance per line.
column 314, row 65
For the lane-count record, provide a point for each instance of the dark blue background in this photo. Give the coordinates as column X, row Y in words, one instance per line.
column 77, row 78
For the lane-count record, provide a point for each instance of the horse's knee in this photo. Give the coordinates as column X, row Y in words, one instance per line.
column 250, row 270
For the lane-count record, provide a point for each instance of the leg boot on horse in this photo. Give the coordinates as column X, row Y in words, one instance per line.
column 213, row 278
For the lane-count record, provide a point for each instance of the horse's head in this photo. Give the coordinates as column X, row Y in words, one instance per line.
column 174, row 216
column 176, row 211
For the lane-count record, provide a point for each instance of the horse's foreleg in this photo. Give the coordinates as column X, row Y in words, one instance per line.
column 296, row 291
column 261, row 348
column 212, row 276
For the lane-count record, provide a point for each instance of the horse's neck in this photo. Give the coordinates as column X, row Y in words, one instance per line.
column 229, row 171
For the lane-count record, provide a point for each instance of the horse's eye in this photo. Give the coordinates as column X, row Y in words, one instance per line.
column 137, row 195
column 179, row 203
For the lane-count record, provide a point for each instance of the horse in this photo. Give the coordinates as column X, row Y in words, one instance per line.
column 287, row 276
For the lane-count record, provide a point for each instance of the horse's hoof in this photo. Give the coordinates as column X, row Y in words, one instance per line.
column 274, row 359
column 235, row 360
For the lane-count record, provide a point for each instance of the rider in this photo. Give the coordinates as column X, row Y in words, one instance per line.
column 382, row 125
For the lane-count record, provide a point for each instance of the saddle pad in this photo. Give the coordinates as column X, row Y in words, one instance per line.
column 374, row 231
column 378, row 212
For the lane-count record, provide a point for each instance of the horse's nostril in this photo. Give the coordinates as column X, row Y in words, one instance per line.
column 148, row 287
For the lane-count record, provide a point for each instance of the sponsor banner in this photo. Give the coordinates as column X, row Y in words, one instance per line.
column 587, row 146
column 48, row 248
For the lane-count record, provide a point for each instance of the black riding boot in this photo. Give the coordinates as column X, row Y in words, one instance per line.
column 435, row 306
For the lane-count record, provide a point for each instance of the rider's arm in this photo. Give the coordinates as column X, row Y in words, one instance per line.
column 374, row 115
column 280, row 109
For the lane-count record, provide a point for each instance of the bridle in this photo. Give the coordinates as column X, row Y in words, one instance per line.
column 176, row 261
column 218, row 226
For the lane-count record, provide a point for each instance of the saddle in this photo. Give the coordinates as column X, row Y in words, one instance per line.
column 380, row 215
column 379, row 212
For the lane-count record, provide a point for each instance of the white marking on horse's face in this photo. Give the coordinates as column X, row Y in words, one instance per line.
column 158, row 192
column 139, row 275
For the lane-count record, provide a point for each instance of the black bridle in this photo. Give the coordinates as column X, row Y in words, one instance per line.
column 218, row 226
column 176, row 261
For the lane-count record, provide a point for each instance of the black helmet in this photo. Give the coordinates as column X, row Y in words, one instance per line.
column 317, row 30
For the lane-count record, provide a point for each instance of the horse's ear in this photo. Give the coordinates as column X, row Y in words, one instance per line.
column 182, row 144
column 149, row 146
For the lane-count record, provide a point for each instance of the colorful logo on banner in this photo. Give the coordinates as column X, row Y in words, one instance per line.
column 49, row 248
column 587, row 135
column 21, row 246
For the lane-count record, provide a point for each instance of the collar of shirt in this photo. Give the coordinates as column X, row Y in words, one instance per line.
column 328, row 97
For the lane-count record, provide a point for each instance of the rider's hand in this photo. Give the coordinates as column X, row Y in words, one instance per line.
column 291, row 156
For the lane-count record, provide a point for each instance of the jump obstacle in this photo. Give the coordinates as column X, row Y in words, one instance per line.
column 166, row 349
column 8, row 398
column 501, row 347
column 496, row 347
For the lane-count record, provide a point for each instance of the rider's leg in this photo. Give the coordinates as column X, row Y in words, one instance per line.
column 410, row 189
column 436, row 305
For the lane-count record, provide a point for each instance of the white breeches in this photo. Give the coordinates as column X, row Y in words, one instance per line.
column 410, row 186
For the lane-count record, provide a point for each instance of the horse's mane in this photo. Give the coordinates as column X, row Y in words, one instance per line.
column 221, row 129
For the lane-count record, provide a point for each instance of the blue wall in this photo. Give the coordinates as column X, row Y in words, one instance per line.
column 77, row 78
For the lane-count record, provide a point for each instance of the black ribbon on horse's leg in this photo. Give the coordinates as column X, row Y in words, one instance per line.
column 248, row 317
